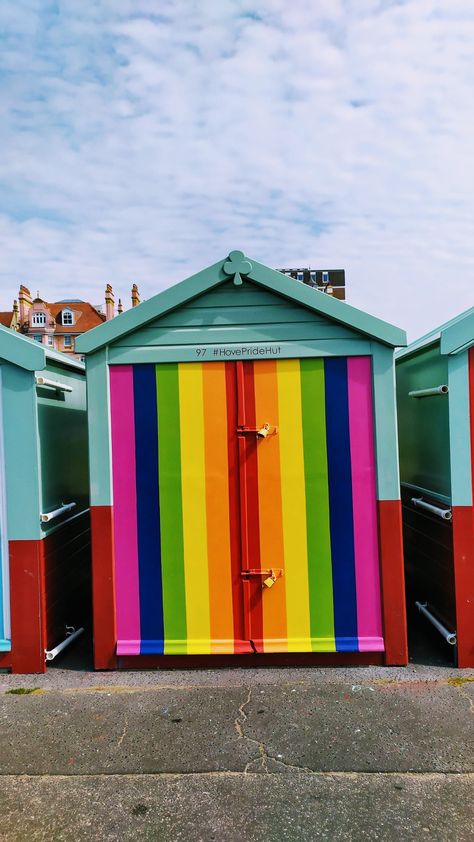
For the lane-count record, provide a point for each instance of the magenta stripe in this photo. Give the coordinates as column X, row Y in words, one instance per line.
column 127, row 596
column 361, row 425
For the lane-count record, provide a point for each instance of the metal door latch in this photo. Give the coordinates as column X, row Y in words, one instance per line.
column 260, row 432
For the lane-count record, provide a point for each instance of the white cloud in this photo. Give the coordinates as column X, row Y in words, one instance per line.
column 142, row 141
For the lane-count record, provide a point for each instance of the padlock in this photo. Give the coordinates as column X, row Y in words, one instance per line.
column 268, row 583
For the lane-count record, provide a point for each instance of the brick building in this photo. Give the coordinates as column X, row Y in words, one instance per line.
column 58, row 324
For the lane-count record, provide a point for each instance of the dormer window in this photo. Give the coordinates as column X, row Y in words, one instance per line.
column 38, row 319
column 67, row 317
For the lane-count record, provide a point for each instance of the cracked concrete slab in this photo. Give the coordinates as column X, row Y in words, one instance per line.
column 225, row 807
column 381, row 725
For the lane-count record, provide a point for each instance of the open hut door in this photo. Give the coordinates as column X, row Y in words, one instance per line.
column 245, row 507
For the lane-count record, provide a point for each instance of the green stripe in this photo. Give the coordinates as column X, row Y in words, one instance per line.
column 171, row 512
column 317, row 502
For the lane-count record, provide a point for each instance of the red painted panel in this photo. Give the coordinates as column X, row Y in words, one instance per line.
column 27, row 606
column 240, row 638
column 103, row 588
column 463, row 536
column 250, row 509
column 393, row 582
column 471, row 411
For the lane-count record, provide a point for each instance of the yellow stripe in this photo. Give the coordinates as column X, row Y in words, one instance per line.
column 290, row 431
column 193, row 484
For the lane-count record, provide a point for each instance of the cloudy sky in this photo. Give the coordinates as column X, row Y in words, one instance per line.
column 141, row 140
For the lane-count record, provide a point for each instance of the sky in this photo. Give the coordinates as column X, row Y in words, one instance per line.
column 142, row 140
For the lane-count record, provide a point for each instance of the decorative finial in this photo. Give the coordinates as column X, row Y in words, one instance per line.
column 237, row 265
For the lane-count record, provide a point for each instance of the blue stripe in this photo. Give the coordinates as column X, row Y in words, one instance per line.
column 148, row 510
column 340, row 505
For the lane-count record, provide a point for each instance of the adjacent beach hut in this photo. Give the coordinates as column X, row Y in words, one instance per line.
column 435, row 395
column 244, row 474
column 44, row 499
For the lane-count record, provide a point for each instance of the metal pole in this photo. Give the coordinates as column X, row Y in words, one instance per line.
column 444, row 514
column 428, row 393
column 450, row 637
column 52, row 653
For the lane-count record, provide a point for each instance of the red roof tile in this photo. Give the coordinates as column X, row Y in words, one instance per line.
column 86, row 316
column 6, row 318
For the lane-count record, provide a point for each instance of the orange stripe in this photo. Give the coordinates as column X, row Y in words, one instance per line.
column 270, row 507
column 217, row 504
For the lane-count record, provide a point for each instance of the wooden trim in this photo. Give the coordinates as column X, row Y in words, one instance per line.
column 103, row 588
column 460, row 430
column 393, row 582
column 281, row 659
column 267, row 278
column 27, row 607
column 98, row 418
column 218, row 351
column 385, row 423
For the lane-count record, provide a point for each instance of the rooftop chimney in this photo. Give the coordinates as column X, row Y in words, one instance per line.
column 120, row 306
column 109, row 303
column 24, row 297
column 16, row 316
column 135, row 296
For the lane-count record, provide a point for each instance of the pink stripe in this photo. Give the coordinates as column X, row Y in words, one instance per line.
column 367, row 567
column 127, row 596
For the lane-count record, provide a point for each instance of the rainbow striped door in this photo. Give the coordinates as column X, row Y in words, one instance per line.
column 230, row 542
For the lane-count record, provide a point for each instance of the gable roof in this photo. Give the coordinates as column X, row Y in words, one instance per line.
column 237, row 266
column 453, row 336
column 28, row 354
column 86, row 316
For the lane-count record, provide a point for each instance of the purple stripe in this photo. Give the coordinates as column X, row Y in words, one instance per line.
column 127, row 596
column 361, row 426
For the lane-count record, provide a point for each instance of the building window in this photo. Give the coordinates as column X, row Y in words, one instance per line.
column 50, row 340
column 37, row 337
column 299, row 276
column 38, row 319
column 68, row 341
column 68, row 317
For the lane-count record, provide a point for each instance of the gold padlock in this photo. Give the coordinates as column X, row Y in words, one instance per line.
column 268, row 583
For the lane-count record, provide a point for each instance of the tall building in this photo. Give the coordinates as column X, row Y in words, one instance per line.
column 58, row 324
column 330, row 281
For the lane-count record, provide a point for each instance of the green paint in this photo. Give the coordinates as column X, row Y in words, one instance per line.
column 459, row 435
column 21, row 447
column 261, row 276
column 99, row 433
column 423, row 423
column 317, row 503
column 234, row 333
column 20, row 351
column 171, row 508
column 385, row 421
column 285, row 350
column 459, row 335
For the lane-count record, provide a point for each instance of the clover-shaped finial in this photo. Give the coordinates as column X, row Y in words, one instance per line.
column 237, row 265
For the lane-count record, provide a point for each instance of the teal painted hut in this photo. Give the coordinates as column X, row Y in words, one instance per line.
column 244, row 475
column 44, row 500
column 435, row 396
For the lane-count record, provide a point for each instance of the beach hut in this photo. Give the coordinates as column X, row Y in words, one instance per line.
column 244, row 475
column 435, row 396
column 44, row 499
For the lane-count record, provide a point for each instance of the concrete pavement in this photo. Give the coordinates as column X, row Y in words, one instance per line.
column 295, row 754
